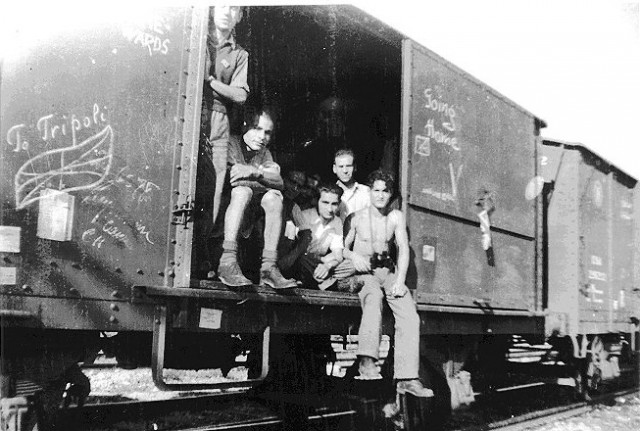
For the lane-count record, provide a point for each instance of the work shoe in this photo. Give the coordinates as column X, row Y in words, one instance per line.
column 368, row 370
column 273, row 278
column 231, row 275
column 414, row 387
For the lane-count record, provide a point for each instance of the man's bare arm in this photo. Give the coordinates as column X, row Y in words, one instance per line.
column 402, row 242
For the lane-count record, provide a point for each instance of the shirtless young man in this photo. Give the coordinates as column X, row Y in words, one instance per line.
column 370, row 233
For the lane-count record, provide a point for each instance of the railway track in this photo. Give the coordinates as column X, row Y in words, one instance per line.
column 535, row 419
column 192, row 411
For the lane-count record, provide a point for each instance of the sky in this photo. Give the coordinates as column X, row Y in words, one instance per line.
column 574, row 64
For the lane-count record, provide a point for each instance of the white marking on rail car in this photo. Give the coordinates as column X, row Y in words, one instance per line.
column 87, row 163
column 8, row 276
column 9, row 239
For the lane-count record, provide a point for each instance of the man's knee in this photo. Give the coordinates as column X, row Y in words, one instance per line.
column 272, row 202
column 241, row 194
column 371, row 294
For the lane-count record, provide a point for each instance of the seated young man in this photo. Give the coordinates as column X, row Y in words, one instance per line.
column 369, row 233
column 318, row 248
column 255, row 180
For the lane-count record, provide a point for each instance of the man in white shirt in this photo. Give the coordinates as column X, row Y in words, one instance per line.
column 355, row 196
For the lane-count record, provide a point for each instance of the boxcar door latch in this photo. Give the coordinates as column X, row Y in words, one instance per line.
column 183, row 213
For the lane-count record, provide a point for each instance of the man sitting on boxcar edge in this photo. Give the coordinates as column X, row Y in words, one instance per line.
column 369, row 233
column 254, row 178
column 356, row 195
column 318, row 248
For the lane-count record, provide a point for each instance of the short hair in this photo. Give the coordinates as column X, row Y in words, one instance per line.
column 381, row 175
column 344, row 152
column 252, row 117
column 330, row 188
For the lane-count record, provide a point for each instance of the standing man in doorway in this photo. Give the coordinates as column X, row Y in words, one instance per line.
column 355, row 196
column 370, row 234
column 227, row 67
column 225, row 85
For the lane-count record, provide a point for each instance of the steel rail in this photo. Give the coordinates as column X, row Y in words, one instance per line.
column 542, row 417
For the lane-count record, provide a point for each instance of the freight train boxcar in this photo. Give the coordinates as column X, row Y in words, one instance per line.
column 101, row 123
column 592, row 256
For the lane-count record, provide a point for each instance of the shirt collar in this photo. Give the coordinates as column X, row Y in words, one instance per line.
column 228, row 41
column 345, row 188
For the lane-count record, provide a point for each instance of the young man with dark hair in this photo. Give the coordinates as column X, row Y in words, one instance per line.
column 255, row 180
column 368, row 239
column 318, row 249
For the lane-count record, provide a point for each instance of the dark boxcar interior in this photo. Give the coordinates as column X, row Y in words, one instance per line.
column 330, row 82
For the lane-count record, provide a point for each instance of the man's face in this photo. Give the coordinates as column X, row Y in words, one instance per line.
column 260, row 135
column 328, row 205
column 226, row 17
column 380, row 195
column 343, row 168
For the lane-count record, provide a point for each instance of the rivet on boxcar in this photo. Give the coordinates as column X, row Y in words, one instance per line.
column 114, row 307
column 74, row 291
column 6, row 259
column 113, row 319
column 177, row 192
column 180, row 143
column 172, row 262
column 53, row 263
column 172, row 274
column 173, row 241
column 489, row 330
column 161, row 273
column 139, row 271
column 118, row 269
column 178, row 167
column 115, row 294
column 26, row 288
column 157, row 321
column 184, row 96
column 185, row 71
column 76, row 265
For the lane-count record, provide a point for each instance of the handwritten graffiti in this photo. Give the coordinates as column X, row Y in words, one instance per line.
column 111, row 226
column 76, row 167
column 438, row 105
column 142, row 230
column 140, row 190
column 447, row 196
column 51, row 127
column 152, row 36
column 439, row 136
column 438, row 144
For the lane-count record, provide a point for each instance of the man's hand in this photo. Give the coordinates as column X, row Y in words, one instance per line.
column 398, row 289
column 360, row 263
column 242, row 172
column 321, row 272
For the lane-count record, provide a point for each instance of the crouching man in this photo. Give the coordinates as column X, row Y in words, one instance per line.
column 369, row 235
column 255, row 180
column 318, row 248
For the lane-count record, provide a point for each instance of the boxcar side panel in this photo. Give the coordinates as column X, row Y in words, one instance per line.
column 594, row 194
column 563, row 259
column 467, row 145
column 90, row 126
column 623, row 251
